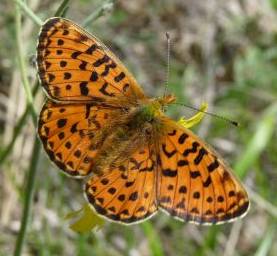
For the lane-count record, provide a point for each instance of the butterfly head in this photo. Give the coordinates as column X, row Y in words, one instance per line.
column 156, row 106
column 165, row 100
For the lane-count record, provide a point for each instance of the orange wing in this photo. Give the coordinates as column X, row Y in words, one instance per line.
column 67, row 132
column 126, row 193
column 83, row 78
column 75, row 66
column 194, row 184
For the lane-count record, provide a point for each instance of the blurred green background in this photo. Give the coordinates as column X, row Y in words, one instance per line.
column 222, row 52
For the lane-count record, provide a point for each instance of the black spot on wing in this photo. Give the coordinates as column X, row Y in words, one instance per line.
column 119, row 77
column 169, row 173
column 214, row 165
column 200, row 156
column 107, row 69
column 168, row 153
column 183, row 189
column 67, row 75
column 194, row 174
column 181, row 163
column 195, row 145
column 207, row 182
column 91, row 49
column 75, row 55
column 103, row 90
column 133, row 196
column 61, row 122
column 73, row 128
column 83, row 65
column 84, row 88
column 121, row 197
column 182, row 138
column 101, row 61
column 94, row 76
column 196, row 195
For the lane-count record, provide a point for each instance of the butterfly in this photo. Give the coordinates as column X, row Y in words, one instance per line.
column 98, row 124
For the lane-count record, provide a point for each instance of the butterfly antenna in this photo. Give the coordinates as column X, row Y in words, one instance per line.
column 211, row 114
column 168, row 63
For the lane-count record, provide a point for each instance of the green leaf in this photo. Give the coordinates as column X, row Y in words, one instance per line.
column 259, row 141
column 153, row 239
column 266, row 243
column 87, row 220
column 274, row 4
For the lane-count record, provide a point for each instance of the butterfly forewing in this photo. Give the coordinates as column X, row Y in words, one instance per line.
column 75, row 66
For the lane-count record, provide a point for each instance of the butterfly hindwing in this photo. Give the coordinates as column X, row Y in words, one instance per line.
column 195, row 185
column 126, row 193
column 75, row 66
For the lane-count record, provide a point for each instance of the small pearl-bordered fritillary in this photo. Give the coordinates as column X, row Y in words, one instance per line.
column 98, row 123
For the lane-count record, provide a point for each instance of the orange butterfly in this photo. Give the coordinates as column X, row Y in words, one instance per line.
column 98, row 123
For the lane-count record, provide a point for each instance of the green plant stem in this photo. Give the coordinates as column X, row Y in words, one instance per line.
column 62, row 9
column 20, row 123
column 29, row 12
column 260, row 139
column 105, row 7
column 32, row 168
column 28, row 196
column 22, row 66
column 17, row 129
